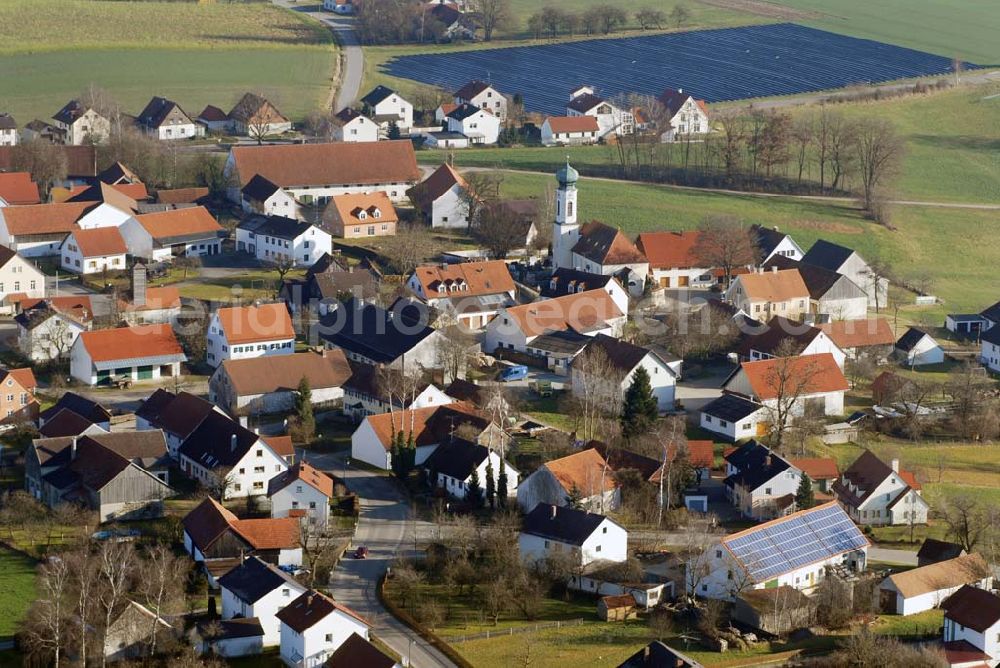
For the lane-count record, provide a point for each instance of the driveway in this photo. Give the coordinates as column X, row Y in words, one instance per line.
column 386, row 528
column 695, row 391
column 889, row 556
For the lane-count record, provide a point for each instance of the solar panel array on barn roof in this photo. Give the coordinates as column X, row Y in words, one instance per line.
column 789, row 543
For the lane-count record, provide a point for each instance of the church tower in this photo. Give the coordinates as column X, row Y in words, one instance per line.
column 565, row 230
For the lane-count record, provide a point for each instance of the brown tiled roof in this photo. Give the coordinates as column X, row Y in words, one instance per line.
column 213, row 114
column 866, row 473
column 65, row 423
column 181, row 195
column 269, row 533
column 972, row 607
column 24, row 377
column 669, row 250
column 307, row 474
column 179, row 222
column 472, row 89
column 572, row 123
column 100, row 241
column 859, row 333
column 778, row 330
column 963, row 653
column 124, row 343
column 474, row 278
column 583, row 311
column 817, row 468
column 604, row 244
column 248, row 324
column 329, row 164
column 253, row 108
column 178, row 414
column 164, row 297
column 448, row 107
column 311, row 607
column 346, row 208
column 774, row 286
column 277, row 373
column 44, row 218
column 618, row 601
column 443, row 179
column 584, row 470
column 17, row 188
column 209, row 520
column 966, row 569
column 429, row 425
column 282, row 445
column 356, row 652
column 803, row 375
column 115, row 196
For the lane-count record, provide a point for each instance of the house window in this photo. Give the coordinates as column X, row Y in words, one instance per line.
column 718, row 554
column 298, row 489
column 260, row 453
column 295, row 504
column 604, row 530
column 597, row 549
column 767, row 491
column 723, row 423
column 708, row 418
column 237, row 487
column 329, row 637
column 312, row 505
column 286, row 592
column 258, row 469
column 258, row 485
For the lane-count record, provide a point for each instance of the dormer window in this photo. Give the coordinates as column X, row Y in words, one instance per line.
column 442, row 288
column 552, row 284
column 376, row 213
column 363, row 215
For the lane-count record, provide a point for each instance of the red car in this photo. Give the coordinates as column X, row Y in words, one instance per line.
column 361, row 552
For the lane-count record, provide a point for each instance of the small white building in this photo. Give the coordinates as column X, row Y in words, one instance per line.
column 93, row 250
column 587, row 537
column 479, row 125
column 454, row 461
column 302, row 491
column 765, row 294
column 242, row 332
column 46, row 329
column 80, row 124
column 772, row 242
column 445, row 139
column 673, row 259
column 231, row 638
column 260, row 196
column 625, row 359
column 485, row 96
column 18, row 275
column 583, row 475
column 849, row 263
column 130, row 634
column 570, row 131
column 972, row 628
column 277, row 240
column 918, row 348
column 443, row 198
column 386, row 106
column 989, row 353
column 145, row 352
column 187, row 232
column 926, row 587
column 878, row 494
column 8, row 130
column 781, row 335
column 258, row 589
column 353, row 126
column 734, row 417
column 314, row 626
column 164, row 119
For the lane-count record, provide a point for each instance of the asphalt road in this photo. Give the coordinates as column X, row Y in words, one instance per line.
column 386, row 529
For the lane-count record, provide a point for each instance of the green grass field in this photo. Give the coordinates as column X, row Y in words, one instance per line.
column 963, row 28
column 193, row 53
column 17, row 581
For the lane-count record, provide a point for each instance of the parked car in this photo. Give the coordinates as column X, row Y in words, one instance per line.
column 361, row 552
column 512, row 373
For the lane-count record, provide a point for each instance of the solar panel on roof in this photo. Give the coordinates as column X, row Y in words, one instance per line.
column 797, row 541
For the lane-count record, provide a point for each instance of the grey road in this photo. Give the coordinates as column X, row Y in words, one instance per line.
column 386, row 528
column 889, row 556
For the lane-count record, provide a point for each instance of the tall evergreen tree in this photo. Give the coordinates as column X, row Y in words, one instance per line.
column 805, row 498
column 396, row 452
column 474, row 494
column 491, row 484
column 502, row 484
column 575, row 498
column 304, row 411
column 640, row 409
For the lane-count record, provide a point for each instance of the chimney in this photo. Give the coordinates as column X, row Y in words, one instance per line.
column 645, row 652
column 775, row 228
column 72, row 450
column 680, row 90
column 555, row 508
column 244, row 421
column 767, row 461
column 256, row 430
column 139, row 284
column 232, row 442
column 895, row 465
column 774, row 269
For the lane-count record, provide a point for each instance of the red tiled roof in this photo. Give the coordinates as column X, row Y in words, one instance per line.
column 584, row 470
column 477, row 278
column 305, row 473
column 604, row 244
column 100, row 241
column 859, row 333
column 181, row 195
column 179, row 222
column 164, row 297
column 44, row 218
column 669, row 250
column 817, row 468
column 24, row 377
column 583, row 311
column 281, row 445
column 803, row 375
column 105, row 345
column 774, row 286
column 418, row 421
column 572, row 123
column 17, row 188
column 269, row 533
column 248, row 324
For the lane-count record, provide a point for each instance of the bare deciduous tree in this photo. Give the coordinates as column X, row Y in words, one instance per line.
column 879, row 153
column 116, row 564
column 724, row 242
column 161, row 582
column 46, row 629
column 789, row 379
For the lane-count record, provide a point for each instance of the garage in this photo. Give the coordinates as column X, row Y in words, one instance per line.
column 145, row 373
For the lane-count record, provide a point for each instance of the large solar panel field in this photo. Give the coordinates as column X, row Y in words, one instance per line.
column 716, row 65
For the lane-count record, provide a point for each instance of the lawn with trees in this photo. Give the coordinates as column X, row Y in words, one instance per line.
column 17, row 581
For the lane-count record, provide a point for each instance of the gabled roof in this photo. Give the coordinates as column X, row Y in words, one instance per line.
column 24, row 377
column 377, row 94
column 276, row 226
column 253, row 108
column 89, row 409
column 17, row 188
column 192, row 222
column 774, row 286
column 584, row 470
column 250, row 324
column 910, row 338
column 122, row 197
column 283, row 373
column 991, row 335
column 827, row 255
column 767, row 238
column 973, row 608
column 346, row 115
column 207, row 522
column 356, row 652
column 370, row 330
column 659, row 655
column 939, row 550
column 967, row 569
column 312, row 607
column 99, row 241
column 7, row 122
column 178, row 414
column 430, row 425
column 866, row 474
column 465, row 110
column 863, row 333
column 212, row 114
column 65, row 423
column 145, row 448
column 218, row 441
column 73, row 110
column 165, row 297
column 52, row 218
column 817, row 468
column 730, row 407
column 562, row 124
column 568, row 281
column 471, row 278
column 210, row 520
column 622, row 355
column 992, row 312
column 668, row 250
column 472, row 89
column 583, row 312
column 302, row 472
column 585, row 102
column 561, row 523
column 253, row 579
column 457, row 458
column 760, row 467
column 604, row 244
column 803, row 375
column 132, row 346
column 778, row 331
column 156, row 112
column 443, row 179
column 181, row 195
column 347, row 208
column 259, row 189
column 673, row 100
column 331, row 164
column 35, row 311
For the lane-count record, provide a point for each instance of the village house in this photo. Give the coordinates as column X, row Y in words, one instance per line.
column 822, row 473
column 18, row 277
column 229, row 459
column 80, row 124
column 972, row 628
column 17, row 188
column 320, row 292
column 797, row 550
column 164, row 119
column 214, row 119
column 145, row 352
column 618, row 361
column 121, row 476
column 38, row 230
column 450, row 20
column 926, row 587
column 368, row 392
column 242, row 332
column 312, row 173
column 451, row 464
column 602, row 249
column 566, row 281
column 478, row 125
column 471, row 293
column 700, row 456
column 283, row 241
column 256, row 117
column 258, row 589
column 187, row 232
column 356, row 651
column 304, row 492
column 781, row 335
column 133, row 631
column 769, row 293
column 656, row 655
column 483, row 95
column 989, row 353
column 47, row 328
column 17, row 396
column 586, row 537
column 173, row 197
column 93, row 250
column 871, row 337
column 832, row 296
column 443, row 139
column 144, row 305
column 69, row 423
column 583, row 476
column 230, row 638
column 686, row 116
column 313, row 626
column 917, row 348
column 771, row 242
column 847, row 262
column 86, row 408
column 268, row 385
column 385, row 106
column 260, row 196
column 176, row 415
column 570, row 131
column 443, row 198
column 734, row 417
column 8, row 131
column 427, row 427
column 971, row 324
column 673, row 262
column 879, row 494
column 361, row 215
column 610, row 119
column 353, row 126
column 760, row 483
column 589, row 313
column 398, row 338
column 215, row 536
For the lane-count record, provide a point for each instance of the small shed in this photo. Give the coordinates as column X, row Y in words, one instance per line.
column 966, row 324
column 918, row 348
column 776, row 611
column 231, row 637
column 926, row 587
column 616, row 608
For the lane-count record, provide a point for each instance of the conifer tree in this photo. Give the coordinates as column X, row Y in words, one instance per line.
column 502, row 485
column 491, row 484
column 640, row 409
column 805, row 498
column 474, row 495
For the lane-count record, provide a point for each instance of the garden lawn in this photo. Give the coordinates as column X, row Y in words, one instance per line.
column 17, row 582
column 193, row 53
